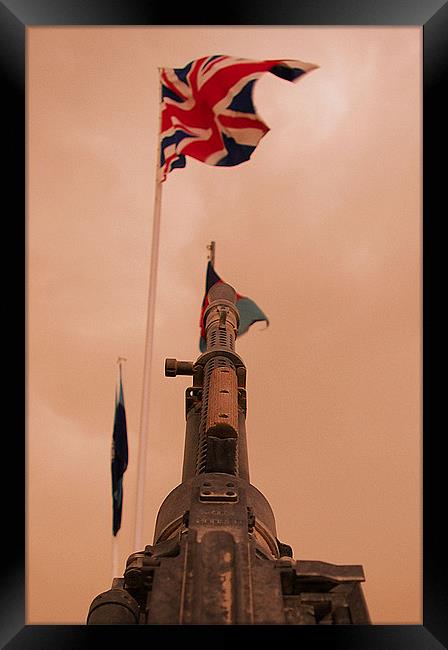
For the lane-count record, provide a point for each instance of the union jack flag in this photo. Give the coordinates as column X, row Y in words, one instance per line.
column 207, row 110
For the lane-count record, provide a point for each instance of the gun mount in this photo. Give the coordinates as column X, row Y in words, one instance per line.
column 216, row 557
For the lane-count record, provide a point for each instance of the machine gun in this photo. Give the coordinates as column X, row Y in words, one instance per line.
column 216, row 557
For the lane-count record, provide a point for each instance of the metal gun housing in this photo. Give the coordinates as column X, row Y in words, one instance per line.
column 216, row 557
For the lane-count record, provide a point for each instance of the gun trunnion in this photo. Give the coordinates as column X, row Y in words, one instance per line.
column 216, row 557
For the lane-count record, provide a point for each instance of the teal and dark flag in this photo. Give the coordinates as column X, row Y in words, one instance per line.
column 249, row 311
column 119, row 457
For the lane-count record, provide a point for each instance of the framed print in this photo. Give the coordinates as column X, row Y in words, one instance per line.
column 322, row 227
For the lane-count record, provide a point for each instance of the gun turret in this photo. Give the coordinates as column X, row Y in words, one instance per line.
column 216, row 557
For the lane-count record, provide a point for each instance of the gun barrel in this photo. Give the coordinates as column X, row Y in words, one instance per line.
column 219, row 431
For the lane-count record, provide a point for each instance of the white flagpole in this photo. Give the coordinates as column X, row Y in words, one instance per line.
column 144, row 413
column 115, row 572
column 212, row 248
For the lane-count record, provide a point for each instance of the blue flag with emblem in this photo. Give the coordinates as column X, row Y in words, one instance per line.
column 119, row 456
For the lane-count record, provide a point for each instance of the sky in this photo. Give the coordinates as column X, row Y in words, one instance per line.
column 321, row 227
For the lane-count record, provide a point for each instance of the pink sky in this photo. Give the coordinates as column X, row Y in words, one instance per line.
column 322, row 228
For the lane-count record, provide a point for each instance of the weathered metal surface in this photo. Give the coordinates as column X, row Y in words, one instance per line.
column 113, row 607
column 222, row 412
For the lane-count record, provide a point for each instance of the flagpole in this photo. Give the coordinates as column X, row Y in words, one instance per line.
column 212, row 248
column 115, row 571
column 144, row 413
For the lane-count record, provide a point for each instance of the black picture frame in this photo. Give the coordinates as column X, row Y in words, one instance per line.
column 15, row 17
